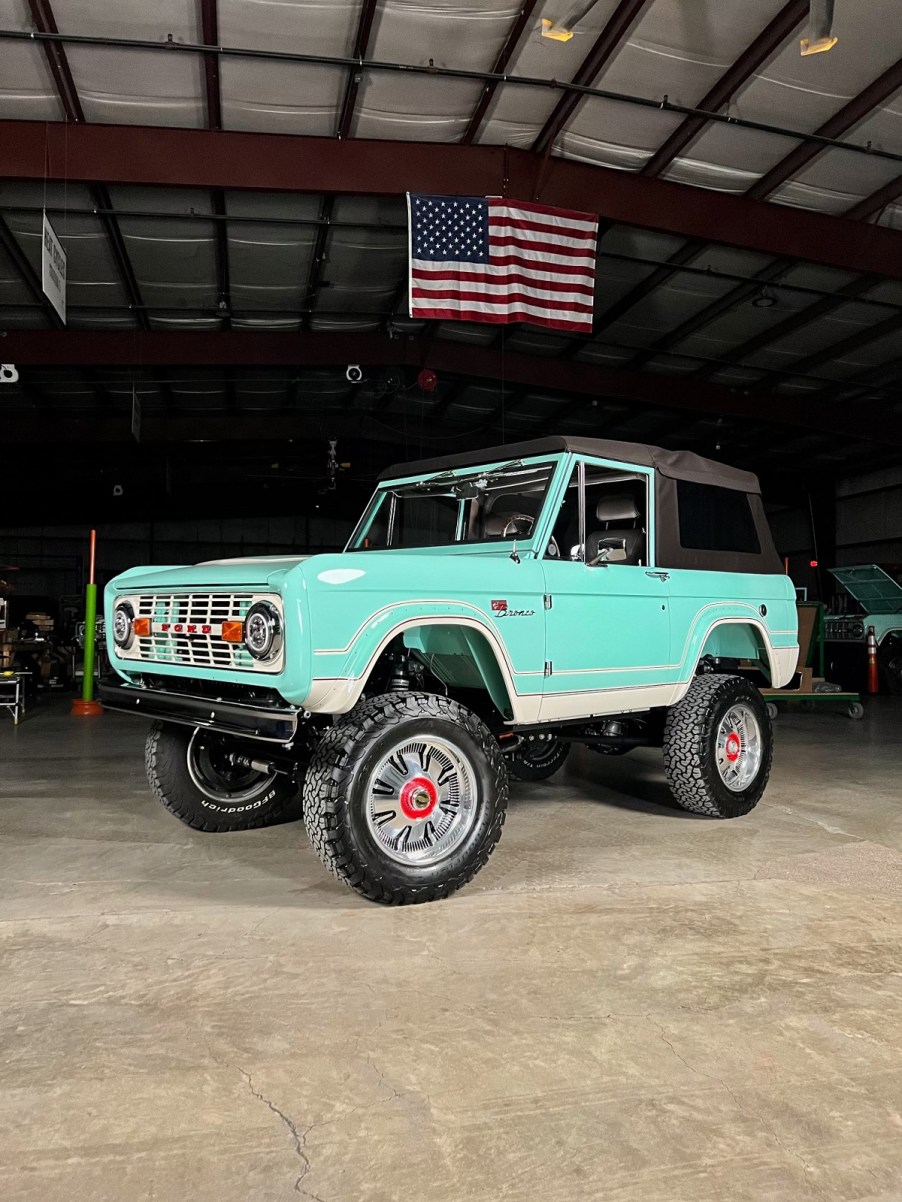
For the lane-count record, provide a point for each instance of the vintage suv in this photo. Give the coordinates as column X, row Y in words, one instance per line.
column 490, row 609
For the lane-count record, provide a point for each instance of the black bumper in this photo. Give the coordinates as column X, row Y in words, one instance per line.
column 266, row 723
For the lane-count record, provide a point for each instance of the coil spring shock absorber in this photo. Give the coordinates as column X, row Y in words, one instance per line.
column 399, row 681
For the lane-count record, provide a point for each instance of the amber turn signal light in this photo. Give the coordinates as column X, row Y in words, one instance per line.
column 141, row 627
column 233, row 632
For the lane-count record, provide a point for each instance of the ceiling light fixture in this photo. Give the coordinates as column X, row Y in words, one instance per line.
column 820, row 28
column 764, row 300
column 563, row 30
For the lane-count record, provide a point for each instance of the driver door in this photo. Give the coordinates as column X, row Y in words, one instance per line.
column 607, row 621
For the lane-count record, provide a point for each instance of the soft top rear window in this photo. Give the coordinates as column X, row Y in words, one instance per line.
column 716, row 519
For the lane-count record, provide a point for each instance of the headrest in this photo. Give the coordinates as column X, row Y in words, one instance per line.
column 616, row 509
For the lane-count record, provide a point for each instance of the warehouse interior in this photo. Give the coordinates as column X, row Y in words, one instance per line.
column 630, row 1001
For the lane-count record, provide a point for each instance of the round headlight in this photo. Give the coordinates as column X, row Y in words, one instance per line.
column 263, row 630
column 123, row 625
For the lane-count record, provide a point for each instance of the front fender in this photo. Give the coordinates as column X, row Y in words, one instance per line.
column 340, row 673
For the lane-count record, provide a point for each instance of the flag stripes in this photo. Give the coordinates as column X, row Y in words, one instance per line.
column 501, row 261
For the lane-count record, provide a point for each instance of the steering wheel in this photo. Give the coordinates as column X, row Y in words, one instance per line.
column 517, row 517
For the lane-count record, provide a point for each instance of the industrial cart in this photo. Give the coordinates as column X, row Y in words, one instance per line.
column 803, row 687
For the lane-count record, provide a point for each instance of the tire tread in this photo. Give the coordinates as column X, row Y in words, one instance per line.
column 688, row 757
column 162, row 762
column 330, row 775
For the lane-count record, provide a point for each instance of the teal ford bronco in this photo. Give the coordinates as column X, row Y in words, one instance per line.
column 490, row 609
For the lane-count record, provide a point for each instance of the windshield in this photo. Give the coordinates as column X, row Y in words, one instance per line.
column 468, row 506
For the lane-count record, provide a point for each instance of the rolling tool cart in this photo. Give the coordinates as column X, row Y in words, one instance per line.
column 806, row 689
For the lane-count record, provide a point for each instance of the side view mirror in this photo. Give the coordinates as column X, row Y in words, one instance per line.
column 612, row 550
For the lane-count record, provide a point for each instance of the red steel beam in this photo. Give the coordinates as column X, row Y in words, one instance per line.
column 504, row 57
column 765, row 44
column 245, row 348
column 848, row 116
column 608, row 42
column 283, row 162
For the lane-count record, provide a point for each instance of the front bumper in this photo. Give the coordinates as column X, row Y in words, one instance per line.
column 269, row 724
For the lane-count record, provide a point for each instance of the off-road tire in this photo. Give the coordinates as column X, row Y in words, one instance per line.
column 166, row 761
column 690, row 734
column 538, row 760
column 335, row 801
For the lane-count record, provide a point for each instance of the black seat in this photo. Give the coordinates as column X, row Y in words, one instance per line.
column 614, row 512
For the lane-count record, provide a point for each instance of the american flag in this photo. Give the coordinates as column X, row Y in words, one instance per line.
column 496, row 260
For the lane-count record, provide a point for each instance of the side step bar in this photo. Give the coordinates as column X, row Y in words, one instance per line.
column 265, row 723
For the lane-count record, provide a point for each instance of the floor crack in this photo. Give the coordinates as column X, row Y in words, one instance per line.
column 739, row 1106
column 299, row 1138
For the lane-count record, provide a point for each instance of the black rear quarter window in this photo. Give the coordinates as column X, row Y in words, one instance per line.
column 716, row 519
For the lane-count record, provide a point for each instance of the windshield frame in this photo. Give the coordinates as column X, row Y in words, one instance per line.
column 524, row 544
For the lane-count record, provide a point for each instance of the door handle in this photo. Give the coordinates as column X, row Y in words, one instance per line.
column 660, row 575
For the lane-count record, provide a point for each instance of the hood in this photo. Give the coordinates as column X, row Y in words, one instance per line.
column 872, row 587
column 263, row 570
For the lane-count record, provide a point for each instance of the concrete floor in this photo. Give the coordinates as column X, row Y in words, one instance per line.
column 628, row 1003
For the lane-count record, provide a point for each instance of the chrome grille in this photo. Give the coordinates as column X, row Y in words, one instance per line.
column 196, row 649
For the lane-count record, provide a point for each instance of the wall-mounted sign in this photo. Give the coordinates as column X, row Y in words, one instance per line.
column 8, row 373
column 53, row 269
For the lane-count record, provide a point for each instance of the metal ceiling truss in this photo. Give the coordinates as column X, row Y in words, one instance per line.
column 617, row 29
column 240, row 348
column 767, row 43
column 504, row 56
column 664, row 104
column 70, row 103
column 847, row 118
column 26, row 274
column 850, row 115
column 835, row 351
column 355, row 75
column 209, row 15
column 345, row 120
column 790, row 325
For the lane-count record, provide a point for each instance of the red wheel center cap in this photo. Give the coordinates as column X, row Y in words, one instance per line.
column 419, row 797
column 733, row 747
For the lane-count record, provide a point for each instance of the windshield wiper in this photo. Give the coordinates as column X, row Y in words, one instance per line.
column 452, row 474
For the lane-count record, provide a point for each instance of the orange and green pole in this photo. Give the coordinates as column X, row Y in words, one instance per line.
column 87, row 705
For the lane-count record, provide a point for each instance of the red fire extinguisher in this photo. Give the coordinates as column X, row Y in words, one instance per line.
column 873, row 676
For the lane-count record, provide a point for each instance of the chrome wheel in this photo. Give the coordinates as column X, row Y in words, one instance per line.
column 214, row 772
column 421, row 801
column 738, row 747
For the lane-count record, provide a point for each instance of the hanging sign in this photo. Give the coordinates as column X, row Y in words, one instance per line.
column 8, row 373
column 53, row 269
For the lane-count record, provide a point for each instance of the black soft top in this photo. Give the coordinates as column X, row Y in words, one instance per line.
column 678, row 465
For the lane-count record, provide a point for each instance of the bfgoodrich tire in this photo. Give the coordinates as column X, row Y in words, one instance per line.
column 718, row 747
column 405, row 798
column 537, row 759
column 190, row 772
